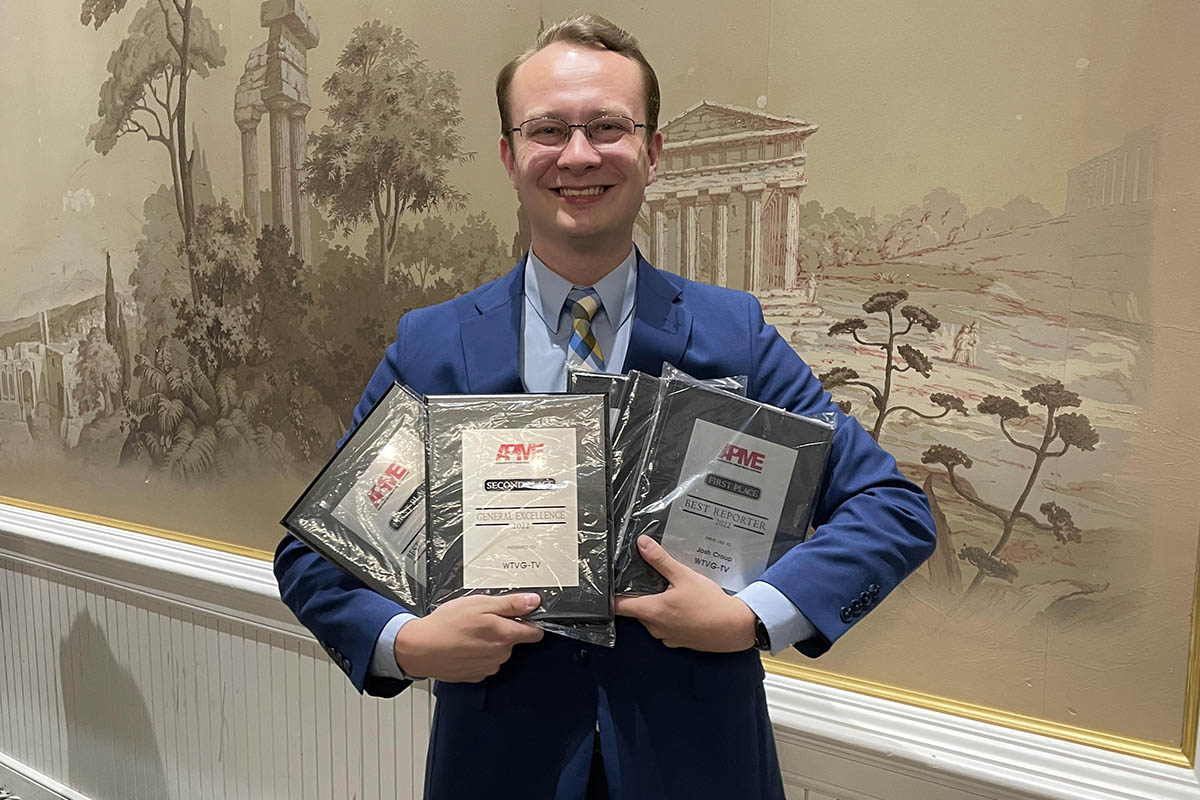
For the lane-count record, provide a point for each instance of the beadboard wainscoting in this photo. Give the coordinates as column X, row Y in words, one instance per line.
column 139, row 668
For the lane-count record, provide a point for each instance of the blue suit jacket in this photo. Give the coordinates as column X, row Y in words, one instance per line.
column 674, row 723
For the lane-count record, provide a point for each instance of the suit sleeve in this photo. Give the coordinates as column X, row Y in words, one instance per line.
column 872, row 526
column 344, row 615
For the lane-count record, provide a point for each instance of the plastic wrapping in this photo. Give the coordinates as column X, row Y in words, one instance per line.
column 518, row 501
column 365, row 511
column 629, row 437
column 735, row 384
column 585, row 381
column 725, row 484
column 631, row 431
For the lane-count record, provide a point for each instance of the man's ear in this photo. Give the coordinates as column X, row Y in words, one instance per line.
column 508, row 159
column 653, row 153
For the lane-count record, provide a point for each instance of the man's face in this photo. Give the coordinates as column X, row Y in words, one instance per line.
column 577, row 84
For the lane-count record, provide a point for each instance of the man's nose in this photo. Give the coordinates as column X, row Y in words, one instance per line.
column 578, row 153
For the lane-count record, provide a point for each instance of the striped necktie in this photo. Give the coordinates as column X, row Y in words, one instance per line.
column 584, row 349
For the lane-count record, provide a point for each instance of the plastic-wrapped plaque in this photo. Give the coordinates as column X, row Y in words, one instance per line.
column 518, row 501
column 582, row 381
column 725, row 484
column 365, row 511
column 629, row 436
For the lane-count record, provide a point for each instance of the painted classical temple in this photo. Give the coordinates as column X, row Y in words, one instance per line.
column 726, row 205
column 275, row 85
column 1121, row 178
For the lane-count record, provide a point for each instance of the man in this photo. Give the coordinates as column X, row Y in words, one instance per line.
column 676, row 709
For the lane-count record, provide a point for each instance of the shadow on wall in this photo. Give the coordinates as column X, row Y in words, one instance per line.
column 111, row 748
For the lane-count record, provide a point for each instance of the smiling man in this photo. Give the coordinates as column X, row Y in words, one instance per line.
column 581, row 184
column 676, row 709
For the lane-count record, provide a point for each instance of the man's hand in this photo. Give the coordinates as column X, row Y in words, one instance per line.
column 467, row 639
column 693, row 612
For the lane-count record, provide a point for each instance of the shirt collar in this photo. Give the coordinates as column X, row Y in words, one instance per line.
column 547, row 291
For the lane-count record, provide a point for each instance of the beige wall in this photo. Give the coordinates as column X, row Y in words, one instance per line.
column 989, row 101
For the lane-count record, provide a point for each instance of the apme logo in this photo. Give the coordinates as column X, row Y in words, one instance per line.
column 519, row 452
column 385, row 484
column 741, row 457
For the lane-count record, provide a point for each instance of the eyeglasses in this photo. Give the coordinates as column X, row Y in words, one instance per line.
column 601, row 131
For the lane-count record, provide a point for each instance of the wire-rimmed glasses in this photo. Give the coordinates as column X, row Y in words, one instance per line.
column 604, row 131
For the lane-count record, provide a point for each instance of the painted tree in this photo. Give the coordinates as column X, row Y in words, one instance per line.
column 161, row 273
column 833, row 239
column 218, row 327
column 99, row 370
column 1020, row 210
column 245, row 331
column 253, row 295
column 434, row 252
column 913, row 359
column 283, row 298
column 391, row 139
column 146, row 92
column 937, row 222
column 114, row 323
column 483, row 256
column 1060, row 432
column 425, row 253
column 346, row 347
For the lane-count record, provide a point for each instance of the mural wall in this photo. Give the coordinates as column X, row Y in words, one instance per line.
column 975, row 224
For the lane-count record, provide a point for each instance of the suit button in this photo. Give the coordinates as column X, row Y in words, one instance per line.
column 866, row 599
column 856, row 607
column 873, row 589
column 581, row 656
column 845, row 615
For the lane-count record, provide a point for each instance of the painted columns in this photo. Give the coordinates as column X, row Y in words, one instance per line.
column 721, row 239
column 691, row 219
column 298, row 149
column 275, row 84
column 250, row 193
column 658, row 226
column 281, row 165
column 793, row 237
column 678, row 214
column 755, row 193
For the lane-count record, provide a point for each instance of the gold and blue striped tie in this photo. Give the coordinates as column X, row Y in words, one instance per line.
column 584, row 349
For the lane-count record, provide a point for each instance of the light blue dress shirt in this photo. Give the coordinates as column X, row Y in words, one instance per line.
column 545, row 335
column 546, row 322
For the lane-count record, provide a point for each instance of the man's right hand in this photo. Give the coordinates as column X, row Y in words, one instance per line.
column 467, row 639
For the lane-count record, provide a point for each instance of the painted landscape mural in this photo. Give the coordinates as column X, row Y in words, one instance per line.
column 222, row 209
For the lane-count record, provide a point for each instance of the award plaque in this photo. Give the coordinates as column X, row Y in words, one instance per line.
column 365, row 511
column 518, row 501
column 581, row 381
column 629, row 437
column 725, row 484
column 630, row 434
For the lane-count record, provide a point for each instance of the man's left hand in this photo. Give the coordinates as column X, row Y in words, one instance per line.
column 693, row 612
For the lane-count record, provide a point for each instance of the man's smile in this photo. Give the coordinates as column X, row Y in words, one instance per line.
column 582, row 191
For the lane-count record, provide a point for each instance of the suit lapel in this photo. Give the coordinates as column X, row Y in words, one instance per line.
column 491, row 341
column 661, row 324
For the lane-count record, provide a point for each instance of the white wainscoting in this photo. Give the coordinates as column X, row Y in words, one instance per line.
column 138, row 668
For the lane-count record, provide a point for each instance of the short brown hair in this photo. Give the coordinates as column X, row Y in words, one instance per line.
column 589, row 30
